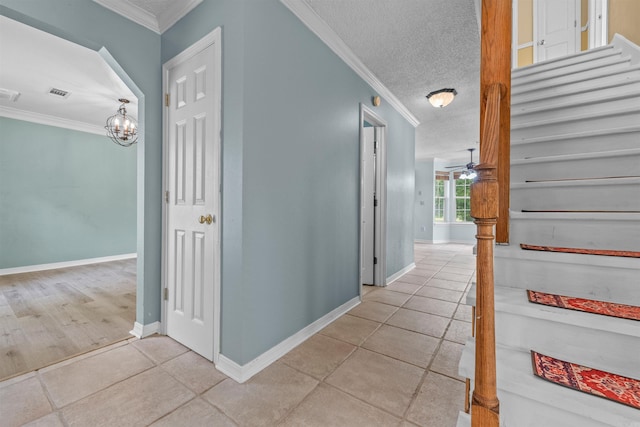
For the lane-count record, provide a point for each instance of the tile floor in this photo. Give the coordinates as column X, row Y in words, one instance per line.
column 391, row 361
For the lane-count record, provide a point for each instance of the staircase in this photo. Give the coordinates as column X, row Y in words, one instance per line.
column 575, row 183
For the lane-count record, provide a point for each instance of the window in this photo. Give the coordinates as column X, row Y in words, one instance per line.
column 440, row 196
column 463, row 198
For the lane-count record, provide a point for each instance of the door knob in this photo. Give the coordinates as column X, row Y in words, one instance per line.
column 208, row 219
column 541, row 42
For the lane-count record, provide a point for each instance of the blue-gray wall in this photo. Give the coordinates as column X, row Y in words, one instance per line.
column 137, row 51
column 64, row 195
column 290, row 232
column 423, row 206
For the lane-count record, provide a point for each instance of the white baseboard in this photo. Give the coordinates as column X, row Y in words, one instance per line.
column 242, row 373
column 65, row 264
column 140, row 331
column 401, row 273
column 422, row 241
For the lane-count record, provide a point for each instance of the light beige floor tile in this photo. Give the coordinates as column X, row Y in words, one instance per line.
column 351, row 329
column 194, row 371
column 160, row 348
column 372, row 310
column 318, row 356
column 463, row 313
column 438, row 402
column 417, row 321
column 439, row 293
column 458, row 331
column 330, row 407
column 196, row 413
column 433, row 306
column 412, row 278
column 379, row 380
column 408, row 346
column 452, row 276
column 368, row 288
column 456, row 269
column 426, row 272
column 265, row 398
column 447, row 284
column 404, row 287
column 447, row 359
column 74, row 381
column 22, row 402
column 387, row 297
column 51, row 420
column 139, row 400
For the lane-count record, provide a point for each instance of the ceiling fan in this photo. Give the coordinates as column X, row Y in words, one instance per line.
column 468, row 172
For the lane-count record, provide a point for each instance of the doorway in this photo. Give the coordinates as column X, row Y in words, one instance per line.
column 556, row 29
column 192, row 114
column 373, row 184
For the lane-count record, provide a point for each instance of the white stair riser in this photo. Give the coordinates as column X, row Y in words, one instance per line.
column 579, row 345
column 587, row 144
column 590, row 123
column 569, row 111
column 568, row 70
column 540, row 84
column 586, row 56
column 620, row 196
column 577, row 233
column 523, row 104
column 571, row 168
column 596, row 282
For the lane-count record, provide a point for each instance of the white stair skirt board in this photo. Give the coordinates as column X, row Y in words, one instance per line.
column 65, row 264
column 603, row 278
column 242, row 373
column 400, row 273
column 464, row 420
column 572, row 141
column 615, row 194
column 142, row 331
column 571, row 166
column 542, row 402
column 613, row 231
column 585, row 337
column 583, row 56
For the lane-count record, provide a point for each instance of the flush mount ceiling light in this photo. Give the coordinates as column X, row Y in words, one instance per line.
column 122, row 129
column 441, row 98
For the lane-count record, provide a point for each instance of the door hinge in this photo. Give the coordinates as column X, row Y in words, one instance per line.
column 166, row 99
column 375, row 202
column 375, row 259
column 166, row 294
column 166, row 196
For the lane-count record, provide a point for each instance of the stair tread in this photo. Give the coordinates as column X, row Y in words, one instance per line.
column 577, row 135
column 519, row 99
column 515, row 301
column 523, row 111
column 514, row 375
column 514, row 251
column 624, row 180
column 579, row 156
column 594, row 216
column 598, row 52
column 579, row 117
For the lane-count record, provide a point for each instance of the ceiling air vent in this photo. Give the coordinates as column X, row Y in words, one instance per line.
column 59, row 92
column 11, row 95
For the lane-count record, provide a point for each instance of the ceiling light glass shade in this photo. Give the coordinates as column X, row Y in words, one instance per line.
column 441, row 98
column 472, row 174
column 463, row 175
column 121, row 128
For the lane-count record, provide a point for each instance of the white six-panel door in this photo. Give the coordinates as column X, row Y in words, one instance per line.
column 193, row 198
column 557, row 26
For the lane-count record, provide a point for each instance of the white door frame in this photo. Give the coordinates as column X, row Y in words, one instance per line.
column 215, row 38
column 380, row 269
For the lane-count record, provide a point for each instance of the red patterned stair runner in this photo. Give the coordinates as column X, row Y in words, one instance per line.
column 607, row 252
column 588, row 380
column 587, row 305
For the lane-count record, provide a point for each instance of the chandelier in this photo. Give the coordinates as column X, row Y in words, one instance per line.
column 122, row 129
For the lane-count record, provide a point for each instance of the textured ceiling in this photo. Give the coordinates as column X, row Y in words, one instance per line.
column 415, row 47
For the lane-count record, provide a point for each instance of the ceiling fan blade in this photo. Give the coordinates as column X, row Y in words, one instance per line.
column 453, row 167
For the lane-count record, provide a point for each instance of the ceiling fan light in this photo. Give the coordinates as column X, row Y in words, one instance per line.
column 472, row 174
column 441, row 98
column 463, row 175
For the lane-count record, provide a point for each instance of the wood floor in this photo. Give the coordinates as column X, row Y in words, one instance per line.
column 48, row 316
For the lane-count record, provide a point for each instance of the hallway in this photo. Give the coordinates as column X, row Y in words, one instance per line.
column 390, row 361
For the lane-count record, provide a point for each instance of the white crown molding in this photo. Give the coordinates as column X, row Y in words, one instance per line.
column 43, row 119
column 242, row 373
column 177, row 11
column 132, row 12
column 320, row 28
